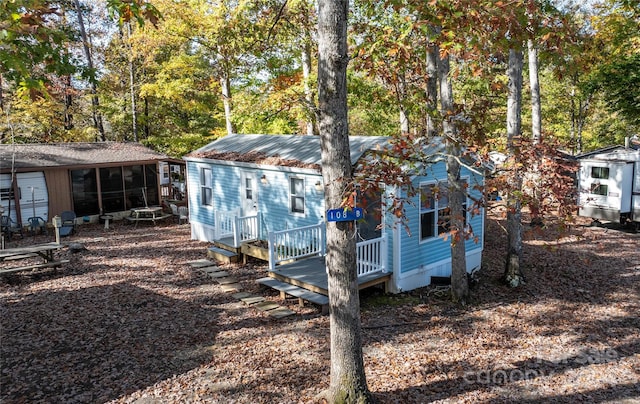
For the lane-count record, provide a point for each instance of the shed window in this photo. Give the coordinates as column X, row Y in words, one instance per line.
column 600, row 172
column 599, row 189
column 435, row 215
column 206, row 181
column 296, row 195
column 84, row 187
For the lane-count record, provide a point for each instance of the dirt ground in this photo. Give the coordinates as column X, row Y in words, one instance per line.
column 128, row 321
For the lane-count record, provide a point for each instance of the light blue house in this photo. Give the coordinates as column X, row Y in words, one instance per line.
column 244, row 188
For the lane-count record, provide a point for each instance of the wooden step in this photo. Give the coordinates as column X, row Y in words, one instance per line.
column 301, row 293
column 222, row 255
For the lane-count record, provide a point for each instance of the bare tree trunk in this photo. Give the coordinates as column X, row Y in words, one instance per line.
column 401, row 87
column 513, row 272
column 132, row 87
column 95, row 102
column 1, row 95
column 432, row 88
column 226, row 101
column 147, row 129
column 348, row 383
column 68, row 103
column 306, row 76
column 459, row 281
column 534, row 83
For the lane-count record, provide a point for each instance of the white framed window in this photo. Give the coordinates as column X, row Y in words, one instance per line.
column 435, row 215
column 600, row 172
column 296, row 195
column 206, row 182
column 599, row 189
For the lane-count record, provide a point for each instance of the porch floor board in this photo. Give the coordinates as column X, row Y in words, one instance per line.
column 311, row 274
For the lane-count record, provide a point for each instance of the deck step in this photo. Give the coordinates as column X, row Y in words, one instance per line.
column 222, row 255
column 300, row 293
column 226, row 244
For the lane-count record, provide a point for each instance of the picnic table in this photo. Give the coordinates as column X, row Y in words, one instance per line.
column 44, row 251
column 152, row 214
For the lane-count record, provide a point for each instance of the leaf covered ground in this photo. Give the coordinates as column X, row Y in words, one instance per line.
column 128, row 321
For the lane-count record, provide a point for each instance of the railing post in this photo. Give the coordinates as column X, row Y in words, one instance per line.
column 384, row 252
column 259, row 226
column 236, row 230
column 272, row 252
column 323, row 243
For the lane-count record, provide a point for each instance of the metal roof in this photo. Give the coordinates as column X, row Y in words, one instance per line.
column 40, row 155
column 619, row 154
column 303, row 148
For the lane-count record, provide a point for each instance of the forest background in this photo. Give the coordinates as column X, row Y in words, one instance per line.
column 190, row 71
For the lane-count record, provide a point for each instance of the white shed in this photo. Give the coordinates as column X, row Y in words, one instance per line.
column 609, row 185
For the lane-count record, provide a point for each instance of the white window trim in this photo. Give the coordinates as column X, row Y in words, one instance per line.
column 203, row 186
column 304, row 195
column 436, row 209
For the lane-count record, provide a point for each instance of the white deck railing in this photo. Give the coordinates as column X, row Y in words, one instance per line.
column 371, row 256
column 225, row 223
column 296, row 243
column 246, row 228
column 291, row 244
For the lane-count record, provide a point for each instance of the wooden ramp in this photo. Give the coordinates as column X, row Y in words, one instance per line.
column 296, row 291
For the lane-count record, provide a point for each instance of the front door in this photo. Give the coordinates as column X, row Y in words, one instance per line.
column 249, row 193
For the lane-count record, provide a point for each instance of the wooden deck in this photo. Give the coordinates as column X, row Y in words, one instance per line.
column 311, row 274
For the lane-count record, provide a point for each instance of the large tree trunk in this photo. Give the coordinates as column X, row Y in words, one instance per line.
column 147, row 129
column 68, row 104
column 456, row 191
column 132, row 87
column 95, row 102
column 306, row 76
column 534, row 83
column 513, row 272
column 432, row 88
column 348, row 383
column 402, row 99
column 225, row 84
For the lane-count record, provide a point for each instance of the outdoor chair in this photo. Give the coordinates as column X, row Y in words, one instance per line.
column 10, row 227
column 174, row 209
column 68, row 218
column 183, row 214
column 37, row 225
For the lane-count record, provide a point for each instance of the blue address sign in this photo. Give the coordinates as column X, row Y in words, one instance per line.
column 344, row 215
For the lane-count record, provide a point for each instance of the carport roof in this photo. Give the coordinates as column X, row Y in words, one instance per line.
column 41, row 155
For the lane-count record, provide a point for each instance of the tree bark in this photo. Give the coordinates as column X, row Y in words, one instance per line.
column 534, row 83
column 348, row 383
column 513, row 275
column 306, row 76
column 432, row 88
column 225, row 84
column 68, row 104
column 132, row 87
column 147, row 129
column 95, row 102
column 402, row 99
column 456, row 192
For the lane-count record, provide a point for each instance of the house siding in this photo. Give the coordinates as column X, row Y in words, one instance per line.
column 272, row 196
column 432, row 257
column 412, row 261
